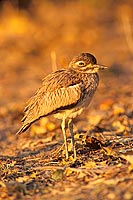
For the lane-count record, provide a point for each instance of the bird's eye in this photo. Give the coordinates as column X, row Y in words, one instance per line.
column 80, row 63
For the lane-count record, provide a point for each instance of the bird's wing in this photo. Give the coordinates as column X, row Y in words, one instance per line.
column 50, row 98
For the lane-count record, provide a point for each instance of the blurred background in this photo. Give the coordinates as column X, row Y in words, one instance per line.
column 37, row 37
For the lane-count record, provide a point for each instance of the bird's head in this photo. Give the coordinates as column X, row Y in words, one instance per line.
column 85, row 63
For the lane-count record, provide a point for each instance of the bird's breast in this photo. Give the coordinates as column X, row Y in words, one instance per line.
column 90, row 85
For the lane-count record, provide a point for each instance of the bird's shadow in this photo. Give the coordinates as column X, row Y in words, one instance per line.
column 27, row 152
column 55, row 150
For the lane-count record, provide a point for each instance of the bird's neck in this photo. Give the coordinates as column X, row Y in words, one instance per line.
column 86, row 78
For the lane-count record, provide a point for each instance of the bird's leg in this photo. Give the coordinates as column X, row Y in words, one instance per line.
column 70, row 126
column 64, row 135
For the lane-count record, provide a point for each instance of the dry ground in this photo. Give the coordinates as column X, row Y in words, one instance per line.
column 33, row 165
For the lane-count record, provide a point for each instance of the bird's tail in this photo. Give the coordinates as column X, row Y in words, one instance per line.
column 23, row 128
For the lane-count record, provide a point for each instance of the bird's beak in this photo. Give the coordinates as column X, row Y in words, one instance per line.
column 100, row 67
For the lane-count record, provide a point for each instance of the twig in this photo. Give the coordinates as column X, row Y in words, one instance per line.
column 53, row 60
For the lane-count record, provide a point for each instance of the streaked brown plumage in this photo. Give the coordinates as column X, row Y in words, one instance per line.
column 64, row 93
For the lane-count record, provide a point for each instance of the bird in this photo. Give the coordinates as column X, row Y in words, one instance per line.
column 64, row 94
